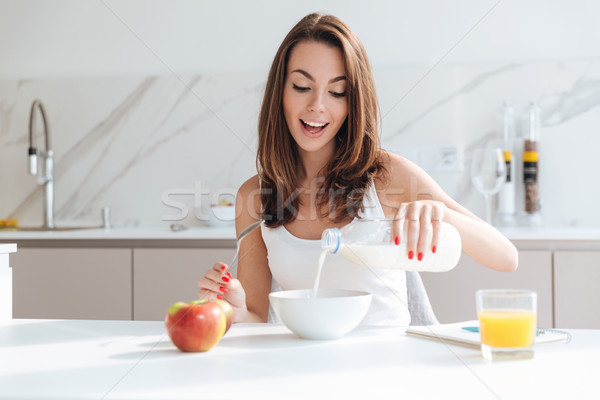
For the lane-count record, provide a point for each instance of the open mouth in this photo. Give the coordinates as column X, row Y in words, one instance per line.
column 314, row 127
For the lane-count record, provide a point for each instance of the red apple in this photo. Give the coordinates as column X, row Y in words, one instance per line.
column 196, row 326
column 228, row 312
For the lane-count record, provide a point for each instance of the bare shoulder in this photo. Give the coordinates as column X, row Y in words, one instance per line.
column 248, row 200
column 404, row 181
column 401, row 172
column 249, row 187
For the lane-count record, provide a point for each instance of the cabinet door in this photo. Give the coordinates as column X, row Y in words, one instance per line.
column 452, row 293
column 69, row 283
column 165, row 276
column 577, row 289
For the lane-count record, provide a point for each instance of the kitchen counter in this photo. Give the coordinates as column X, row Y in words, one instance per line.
column 550, row 238
column 554, row 238
column 228, row 233
column 160, row 233
column 59, row 359
column 215, row 237
column 552, row 233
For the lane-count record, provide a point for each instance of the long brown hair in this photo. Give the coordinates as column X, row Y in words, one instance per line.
column 356, row 158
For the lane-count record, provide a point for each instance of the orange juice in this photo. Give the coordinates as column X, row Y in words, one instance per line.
column 507, row 328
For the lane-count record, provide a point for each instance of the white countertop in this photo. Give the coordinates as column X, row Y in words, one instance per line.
column 552, row 233
column 59, row 359
column 143, row 233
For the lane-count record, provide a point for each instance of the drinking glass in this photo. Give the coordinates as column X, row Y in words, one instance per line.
column 488, row 174
column 507, row 323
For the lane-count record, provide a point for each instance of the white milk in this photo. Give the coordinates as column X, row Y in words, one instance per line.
column 318, row 277
column 389, row 255
column 379, row 252
column 372, row 255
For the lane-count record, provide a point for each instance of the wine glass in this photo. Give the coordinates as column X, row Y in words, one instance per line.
column 488, row 174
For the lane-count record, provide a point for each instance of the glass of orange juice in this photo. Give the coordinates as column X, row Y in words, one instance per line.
column 507, row 323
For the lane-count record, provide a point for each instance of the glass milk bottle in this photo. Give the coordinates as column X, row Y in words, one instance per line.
column 368, row 242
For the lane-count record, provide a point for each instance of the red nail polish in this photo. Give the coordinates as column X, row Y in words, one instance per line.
column 433, row 249
column 223, row 289
column 229, row 275
column 223, row 268
column 411, row 254
column 397, row 240
column 420, row 256
column 220, row 297
column 225, row 278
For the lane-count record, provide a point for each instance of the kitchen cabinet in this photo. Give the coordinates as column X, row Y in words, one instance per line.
column 452, row 293
column 72, row 283
column 577, row 289
column 165, row 276
column 107, row 283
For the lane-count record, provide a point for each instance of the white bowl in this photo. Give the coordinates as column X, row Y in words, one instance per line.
column 221, row 215
column 332, row 314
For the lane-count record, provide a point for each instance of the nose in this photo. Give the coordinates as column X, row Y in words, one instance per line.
column 316, row 102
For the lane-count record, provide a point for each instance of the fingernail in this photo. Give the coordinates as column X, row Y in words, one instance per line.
column 397, row 240
column 223, row 289
column 225, row 278
column 223, row 268
column 433, row 249
column 420, row 256
column 229, row 274
column 220, row 297
column 411, row 254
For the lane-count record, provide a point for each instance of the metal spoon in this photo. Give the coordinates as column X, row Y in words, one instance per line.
column 178, row 227
column 242, row 235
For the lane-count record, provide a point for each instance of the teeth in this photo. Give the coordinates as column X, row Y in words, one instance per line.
column 314, row 124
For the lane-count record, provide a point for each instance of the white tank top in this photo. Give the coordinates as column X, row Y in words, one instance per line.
column 294, row 263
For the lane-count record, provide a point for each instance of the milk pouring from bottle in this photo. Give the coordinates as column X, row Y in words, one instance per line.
column 368, row 242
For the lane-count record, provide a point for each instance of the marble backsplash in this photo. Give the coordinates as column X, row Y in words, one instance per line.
column 156, row 149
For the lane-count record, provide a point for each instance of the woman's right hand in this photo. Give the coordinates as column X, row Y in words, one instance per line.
column 423, row 220
column 218, row 283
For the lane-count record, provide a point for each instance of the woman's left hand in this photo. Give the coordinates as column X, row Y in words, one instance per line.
column 420, row 221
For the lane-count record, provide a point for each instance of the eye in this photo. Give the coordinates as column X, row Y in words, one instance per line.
column 338, row 94
column 299, row 88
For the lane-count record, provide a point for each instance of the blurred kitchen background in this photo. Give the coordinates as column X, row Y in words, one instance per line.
column 153, row 105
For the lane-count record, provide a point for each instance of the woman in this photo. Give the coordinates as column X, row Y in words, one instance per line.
column 320, row 166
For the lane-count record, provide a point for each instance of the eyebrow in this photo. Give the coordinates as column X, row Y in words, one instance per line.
column 309, row 76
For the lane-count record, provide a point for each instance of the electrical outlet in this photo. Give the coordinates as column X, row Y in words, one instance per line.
column 433, row 158
column 450, row 158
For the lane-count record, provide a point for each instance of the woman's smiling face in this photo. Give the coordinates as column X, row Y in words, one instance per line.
column 314, row 96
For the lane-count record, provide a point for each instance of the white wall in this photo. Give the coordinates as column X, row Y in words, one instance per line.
column 66, row 38
column 145, row 97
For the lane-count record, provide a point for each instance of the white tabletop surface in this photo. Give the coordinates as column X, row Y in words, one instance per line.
column 6, row 281
column 64, row 359
column 8, row 248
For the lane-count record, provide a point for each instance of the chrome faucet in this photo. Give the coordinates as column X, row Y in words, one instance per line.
column 47, row 165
